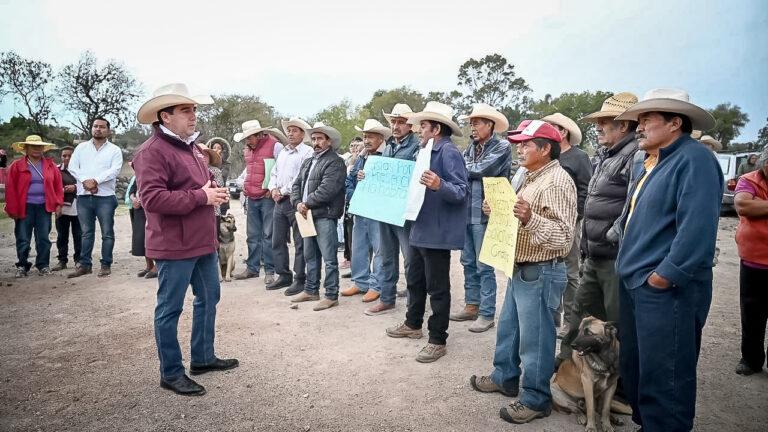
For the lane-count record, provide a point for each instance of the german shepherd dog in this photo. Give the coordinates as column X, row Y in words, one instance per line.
column 227, row 230
column 588, row 379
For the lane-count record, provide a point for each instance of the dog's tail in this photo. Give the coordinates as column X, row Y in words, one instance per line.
column 620, row 408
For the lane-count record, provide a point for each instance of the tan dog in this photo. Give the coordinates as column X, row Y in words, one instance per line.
column 588, row 379
column 227, row 230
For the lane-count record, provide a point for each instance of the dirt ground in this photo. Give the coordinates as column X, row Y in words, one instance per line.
column 79, row 355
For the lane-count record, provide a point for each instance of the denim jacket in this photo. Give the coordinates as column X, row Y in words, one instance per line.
column 405, row 149
column 494, row 161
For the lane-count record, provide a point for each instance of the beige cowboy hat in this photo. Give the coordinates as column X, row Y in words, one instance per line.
column 612, row 107
column 32, row 140
column 671, row 101
column 250, row 127
column 438, row 112
column 712, row 142
column 332, row 133
column 278, row 134
column 296, row 122
column 374, row 126
column 696, row 134
column 167, row 96
column 574, row 133
column 214, row 158
column 399, row 110
column 481, row 110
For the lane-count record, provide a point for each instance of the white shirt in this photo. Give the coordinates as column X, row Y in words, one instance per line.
column 287, row 167
column 189, row 140
column 102, row 165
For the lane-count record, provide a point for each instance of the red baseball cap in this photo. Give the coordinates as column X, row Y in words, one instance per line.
column 530, row 129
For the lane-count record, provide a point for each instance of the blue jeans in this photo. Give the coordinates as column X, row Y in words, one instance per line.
column 259, row 234
column 392, row 238
column 90, row 208
column 365, row 248
column 323, row 247
column 526, row 332
column 660, row 341
column 479, row 278
column 174, row 276
column 38, row 221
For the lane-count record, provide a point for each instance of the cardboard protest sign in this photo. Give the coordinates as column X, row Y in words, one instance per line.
column 383, row 194
column 306, row 225
column 500, row 240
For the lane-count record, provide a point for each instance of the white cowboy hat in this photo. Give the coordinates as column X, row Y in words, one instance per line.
column 574, row 133
column 612, row 107
column 438, row 112
column 399, row 110
column 278, row 134
column 167, row 96
column 481, row 110
column 249, row 128
column 712, row 142
column 332, row 133
column 374, row 126
column 32, row 140
column 297, row 122
column 671, row 101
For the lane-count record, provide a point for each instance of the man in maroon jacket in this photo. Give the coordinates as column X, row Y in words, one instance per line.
column 178, row 199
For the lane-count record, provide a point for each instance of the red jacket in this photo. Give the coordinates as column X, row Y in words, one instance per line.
column 752, row 234
column 254, row 164
column 170, row 175
column 17, row 186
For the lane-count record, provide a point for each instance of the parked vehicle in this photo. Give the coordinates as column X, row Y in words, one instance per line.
column 729, row 163
column 234, row 189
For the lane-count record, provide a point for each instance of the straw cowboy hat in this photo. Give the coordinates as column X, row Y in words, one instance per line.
column 226, row 149
column 671, row 101
column 612, row 107
column 574, row 133
column 712, row 142
column 214, row 158
column 330, row 132
column 481, row 110
column 167, row 96
column 374, row 126
column 438, row 112
column 278, row 134
column 32, row 140
column 297, row 122
column 250, row 127
column 399, row 110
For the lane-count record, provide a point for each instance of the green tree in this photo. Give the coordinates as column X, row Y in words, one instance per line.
column 729, row 122
column 133, row 136
column 384, row 100
column 342, row 116
column 573, row 106
column 29, row 83
column 90, row 91
column 762, row 136
column 492, row 80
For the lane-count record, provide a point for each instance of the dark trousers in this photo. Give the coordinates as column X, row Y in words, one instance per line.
column 37, row 221
column 349, row 222
column 63, row 225
column 753, row 299
column 429, row 273
column 283, row 219
column 660, row 342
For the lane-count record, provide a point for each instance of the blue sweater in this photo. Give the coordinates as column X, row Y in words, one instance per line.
column 441, row 224
column 674, row 225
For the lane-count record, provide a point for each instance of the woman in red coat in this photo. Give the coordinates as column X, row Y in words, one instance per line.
column 33, row 191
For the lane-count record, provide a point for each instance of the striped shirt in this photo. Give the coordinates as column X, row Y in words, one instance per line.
column 551, row 193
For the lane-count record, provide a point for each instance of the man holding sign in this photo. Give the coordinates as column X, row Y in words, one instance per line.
column 546, row 209
column 260, row 153
column 319, row 189
column 439, row 228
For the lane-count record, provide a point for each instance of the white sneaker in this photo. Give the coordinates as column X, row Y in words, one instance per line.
column 481, row 324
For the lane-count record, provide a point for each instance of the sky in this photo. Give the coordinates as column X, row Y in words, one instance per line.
column 301, row 56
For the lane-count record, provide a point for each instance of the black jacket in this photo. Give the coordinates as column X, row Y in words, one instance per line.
column 606, row 195
column 325, row 186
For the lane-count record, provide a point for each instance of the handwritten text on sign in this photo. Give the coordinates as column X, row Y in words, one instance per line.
column 383, row 194
column 500, row 238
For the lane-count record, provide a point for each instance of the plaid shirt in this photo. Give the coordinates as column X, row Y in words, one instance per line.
column 551, row 193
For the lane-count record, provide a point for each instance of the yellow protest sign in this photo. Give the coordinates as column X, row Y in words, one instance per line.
column 498, row 250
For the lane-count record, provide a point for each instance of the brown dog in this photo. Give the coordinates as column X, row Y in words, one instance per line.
column 227, row 230
column 588, row 379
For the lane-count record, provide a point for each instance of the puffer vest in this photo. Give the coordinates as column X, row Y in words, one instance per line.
column 254, row 162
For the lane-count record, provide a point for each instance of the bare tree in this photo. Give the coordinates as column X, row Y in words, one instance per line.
column 28, row 81
column 91, row 92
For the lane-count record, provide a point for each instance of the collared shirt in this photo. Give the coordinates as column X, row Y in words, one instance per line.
column 287, row 167
column 551, row 193
column 315, row 158
column 102, row 165
column 649, row 164
column 191, row 139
